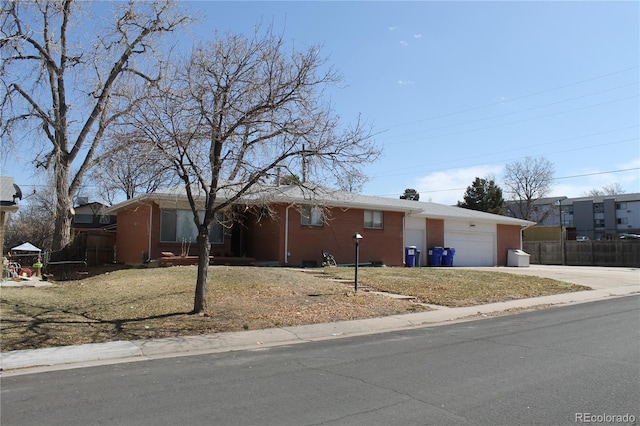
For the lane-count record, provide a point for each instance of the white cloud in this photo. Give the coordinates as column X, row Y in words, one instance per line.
column 417, row 36
column 404, row 43
column 392, row 28
column 405, row 82
column 448, row 186
column 632, row 163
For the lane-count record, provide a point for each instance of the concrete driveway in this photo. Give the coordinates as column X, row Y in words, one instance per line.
column 596, row 277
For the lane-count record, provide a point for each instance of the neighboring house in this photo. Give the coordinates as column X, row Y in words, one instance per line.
column 289, row 225
column 544, row 211
column 594, row 218
column 94, row 233
column 8, row 195
column 91, row 216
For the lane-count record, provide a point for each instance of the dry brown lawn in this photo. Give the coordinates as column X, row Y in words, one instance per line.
column 456, row 287
column 134, row 304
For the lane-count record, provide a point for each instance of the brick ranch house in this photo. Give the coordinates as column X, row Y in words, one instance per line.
column 299, row 224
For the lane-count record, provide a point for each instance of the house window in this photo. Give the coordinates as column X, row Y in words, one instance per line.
column 177, row 226
column 599, row 223
column 623, row 221
column 83, row 218
column 621, row 206
column 311, row 216
column 373, row 219
column 598, row 208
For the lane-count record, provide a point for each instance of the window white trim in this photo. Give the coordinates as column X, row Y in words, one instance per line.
column 311, row 216
column 373, row 219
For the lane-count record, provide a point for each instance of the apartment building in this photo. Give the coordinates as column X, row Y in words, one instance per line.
column 594, row 218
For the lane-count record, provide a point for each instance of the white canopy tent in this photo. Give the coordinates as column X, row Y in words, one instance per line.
column 26, row 250
column 26, row 247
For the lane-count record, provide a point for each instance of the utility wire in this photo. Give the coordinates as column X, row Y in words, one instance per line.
column 517, row 97
column 516, row 121
column 509, row 113
column 519, row 148
column 508, row 160
column 558, row 178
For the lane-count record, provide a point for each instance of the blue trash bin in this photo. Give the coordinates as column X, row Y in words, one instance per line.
column 410, row 256
column 435, row 256
column 447, row 256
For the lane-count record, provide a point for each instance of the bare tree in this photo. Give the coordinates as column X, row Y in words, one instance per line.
column 132, row 170
column 63, row 75
column 238, row 112
column 33, row 222
column 613, row 189
column 352, row 182
column 525, row 182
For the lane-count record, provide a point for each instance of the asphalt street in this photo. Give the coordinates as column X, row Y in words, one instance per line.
column 554, row 366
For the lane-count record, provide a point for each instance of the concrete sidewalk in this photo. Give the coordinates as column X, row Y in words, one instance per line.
column 30, row 361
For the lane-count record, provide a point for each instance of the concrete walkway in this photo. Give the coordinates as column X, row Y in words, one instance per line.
column 25, row 282
column 606, row 283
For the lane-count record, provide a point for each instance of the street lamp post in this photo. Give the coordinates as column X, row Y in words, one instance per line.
column 356, row 239
column 562, row 235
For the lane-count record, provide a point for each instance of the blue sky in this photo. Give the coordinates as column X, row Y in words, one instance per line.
column 457, row 90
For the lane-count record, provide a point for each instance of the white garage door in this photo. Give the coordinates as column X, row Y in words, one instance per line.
column 472, row 248
column 415, row 237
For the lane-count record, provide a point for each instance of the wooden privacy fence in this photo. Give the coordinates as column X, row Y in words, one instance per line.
column 584, row 253
column 94, row 247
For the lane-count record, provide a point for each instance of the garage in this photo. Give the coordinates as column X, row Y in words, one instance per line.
column 473, row 248
column 414, row 235
column 479, row 238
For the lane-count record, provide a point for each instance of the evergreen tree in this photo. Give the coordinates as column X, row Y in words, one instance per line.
column 410, row 194
column 485, row 196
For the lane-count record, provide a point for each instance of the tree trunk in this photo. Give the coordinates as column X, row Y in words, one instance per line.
column 200, row 299
column 62, row 226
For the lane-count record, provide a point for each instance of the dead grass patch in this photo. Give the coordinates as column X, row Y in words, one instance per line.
column 132, row 304
column 456, row 287
column 153, row 303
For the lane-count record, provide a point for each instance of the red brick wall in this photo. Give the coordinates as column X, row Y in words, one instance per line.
column 508, row 238
column 132, row 238
column 435, row 233
column 306, row 243
column 265, row 237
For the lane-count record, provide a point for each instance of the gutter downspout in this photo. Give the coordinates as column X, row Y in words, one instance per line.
column 286, row 234
column 404, row 234
column 522, row 228
column 150, row 229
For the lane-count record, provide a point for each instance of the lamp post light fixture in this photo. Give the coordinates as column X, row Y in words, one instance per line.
column 356, row 240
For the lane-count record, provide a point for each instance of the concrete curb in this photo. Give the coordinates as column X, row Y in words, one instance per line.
column 68, row 354
column 23, row 361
